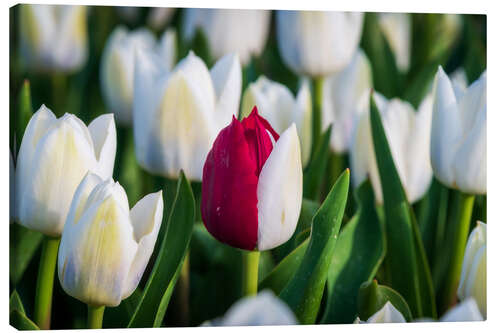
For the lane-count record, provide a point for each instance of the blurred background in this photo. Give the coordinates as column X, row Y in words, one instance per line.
column 457, row 42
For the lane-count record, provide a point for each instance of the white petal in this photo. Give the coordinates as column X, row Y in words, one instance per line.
column 105, row 189
column 63, row 157
column 103, row 132
column 146, row 217
column 446, row 129
column 226, row 78
column 95, row 257
column 396, row 28
column 168, row 47
column 463, row 311
column 388, row 314
column 302, row 117
column 279, row 192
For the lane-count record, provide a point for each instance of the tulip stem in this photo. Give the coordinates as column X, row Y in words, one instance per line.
column 45, row 282
column 317, row 100
column 250, row 272
column 58, row 93
column 94, row 317
column 458, row 229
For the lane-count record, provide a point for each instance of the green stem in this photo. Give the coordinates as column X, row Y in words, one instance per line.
column 45, row 282
column 94, row 317
column 250, row 272
column 58, row 93
column 459, row 225
column 317, row 104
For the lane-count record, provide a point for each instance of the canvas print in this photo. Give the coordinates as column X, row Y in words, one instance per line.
column 236, row 167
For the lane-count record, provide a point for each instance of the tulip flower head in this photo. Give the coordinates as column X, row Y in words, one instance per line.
column 117, row 66
column 240, row 31
column 178, row 114
column 105, row 246
column 473, row 276
column 53, row 37
column 276, row 104
column 54, row 156
column 466, row 310
column 458, row 143
column 345, row 95
column 408, row 133
column 317, row 43
column 387, row 314
column 396, row 28
column 252, row 184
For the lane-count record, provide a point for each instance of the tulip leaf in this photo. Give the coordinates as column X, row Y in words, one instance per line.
column 21, row 322
column 315, row 170
column 386, row 77
column 418, row 87
column 174, row 247
column 15, row 302
column 372, row 297
column 23, row 245
column 21, row 116
column 277, row 279
column 359, row 252
column 304, row 291
column 407, row 270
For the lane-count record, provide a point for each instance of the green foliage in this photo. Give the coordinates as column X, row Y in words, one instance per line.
column 174, row 246
column 315, row 170
column 304, row 291
column 23, row 244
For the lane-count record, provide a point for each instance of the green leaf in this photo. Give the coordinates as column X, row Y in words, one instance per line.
column 21, row 322
column 304, row 291
column 408, row 270
column 15, row 302
column 315, row 170
column 23, row 245
column 277, row 279
column 175, row 244
column 21, row 117
column 386, row 77
column 359, row 252
column 420, row 85
column 201, row 47
column 372, row 297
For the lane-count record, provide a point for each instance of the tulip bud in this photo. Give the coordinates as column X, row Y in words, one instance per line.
column 177, row 115
column 463, row 311
column 345, row 95
column 53, row 37
column 252, row 185
column 458, row 140
column 387, row 314
column 54, row 156
column 263, row 309
column 240, row 31
column 408, row 134
column 117, row 66
column 396, row 28
column 277, row 105
column 317, row 43
column 105, row 246
column 473, row 276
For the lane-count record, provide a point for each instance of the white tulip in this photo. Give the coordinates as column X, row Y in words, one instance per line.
column 408, row 134
column 53, row 37
column 54, row 156
column 387, row 314
column 318, row 43
column 463, row 311
column 117, row 66
column 240, row 31
column 473, row 276
column 263, row 309
column 178, row 114
column 277, row 105
column 396, row 28
column 345, row 95
column 105, row 246
column 458, row 143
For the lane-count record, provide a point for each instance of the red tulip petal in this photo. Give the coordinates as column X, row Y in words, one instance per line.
column 229, row 189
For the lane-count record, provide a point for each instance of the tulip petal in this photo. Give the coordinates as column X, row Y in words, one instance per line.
column 464, row 311
column 82, row 193
column 62, row 159
column 96, row 255
column 279, row 191
column 168, row 46
column 302, row 117
column 146, row 217
column 229, row 189
column 387, row 314
column 226, row 77
column 103, row 132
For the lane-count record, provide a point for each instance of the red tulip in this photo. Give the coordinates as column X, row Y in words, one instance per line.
column 252, row 184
